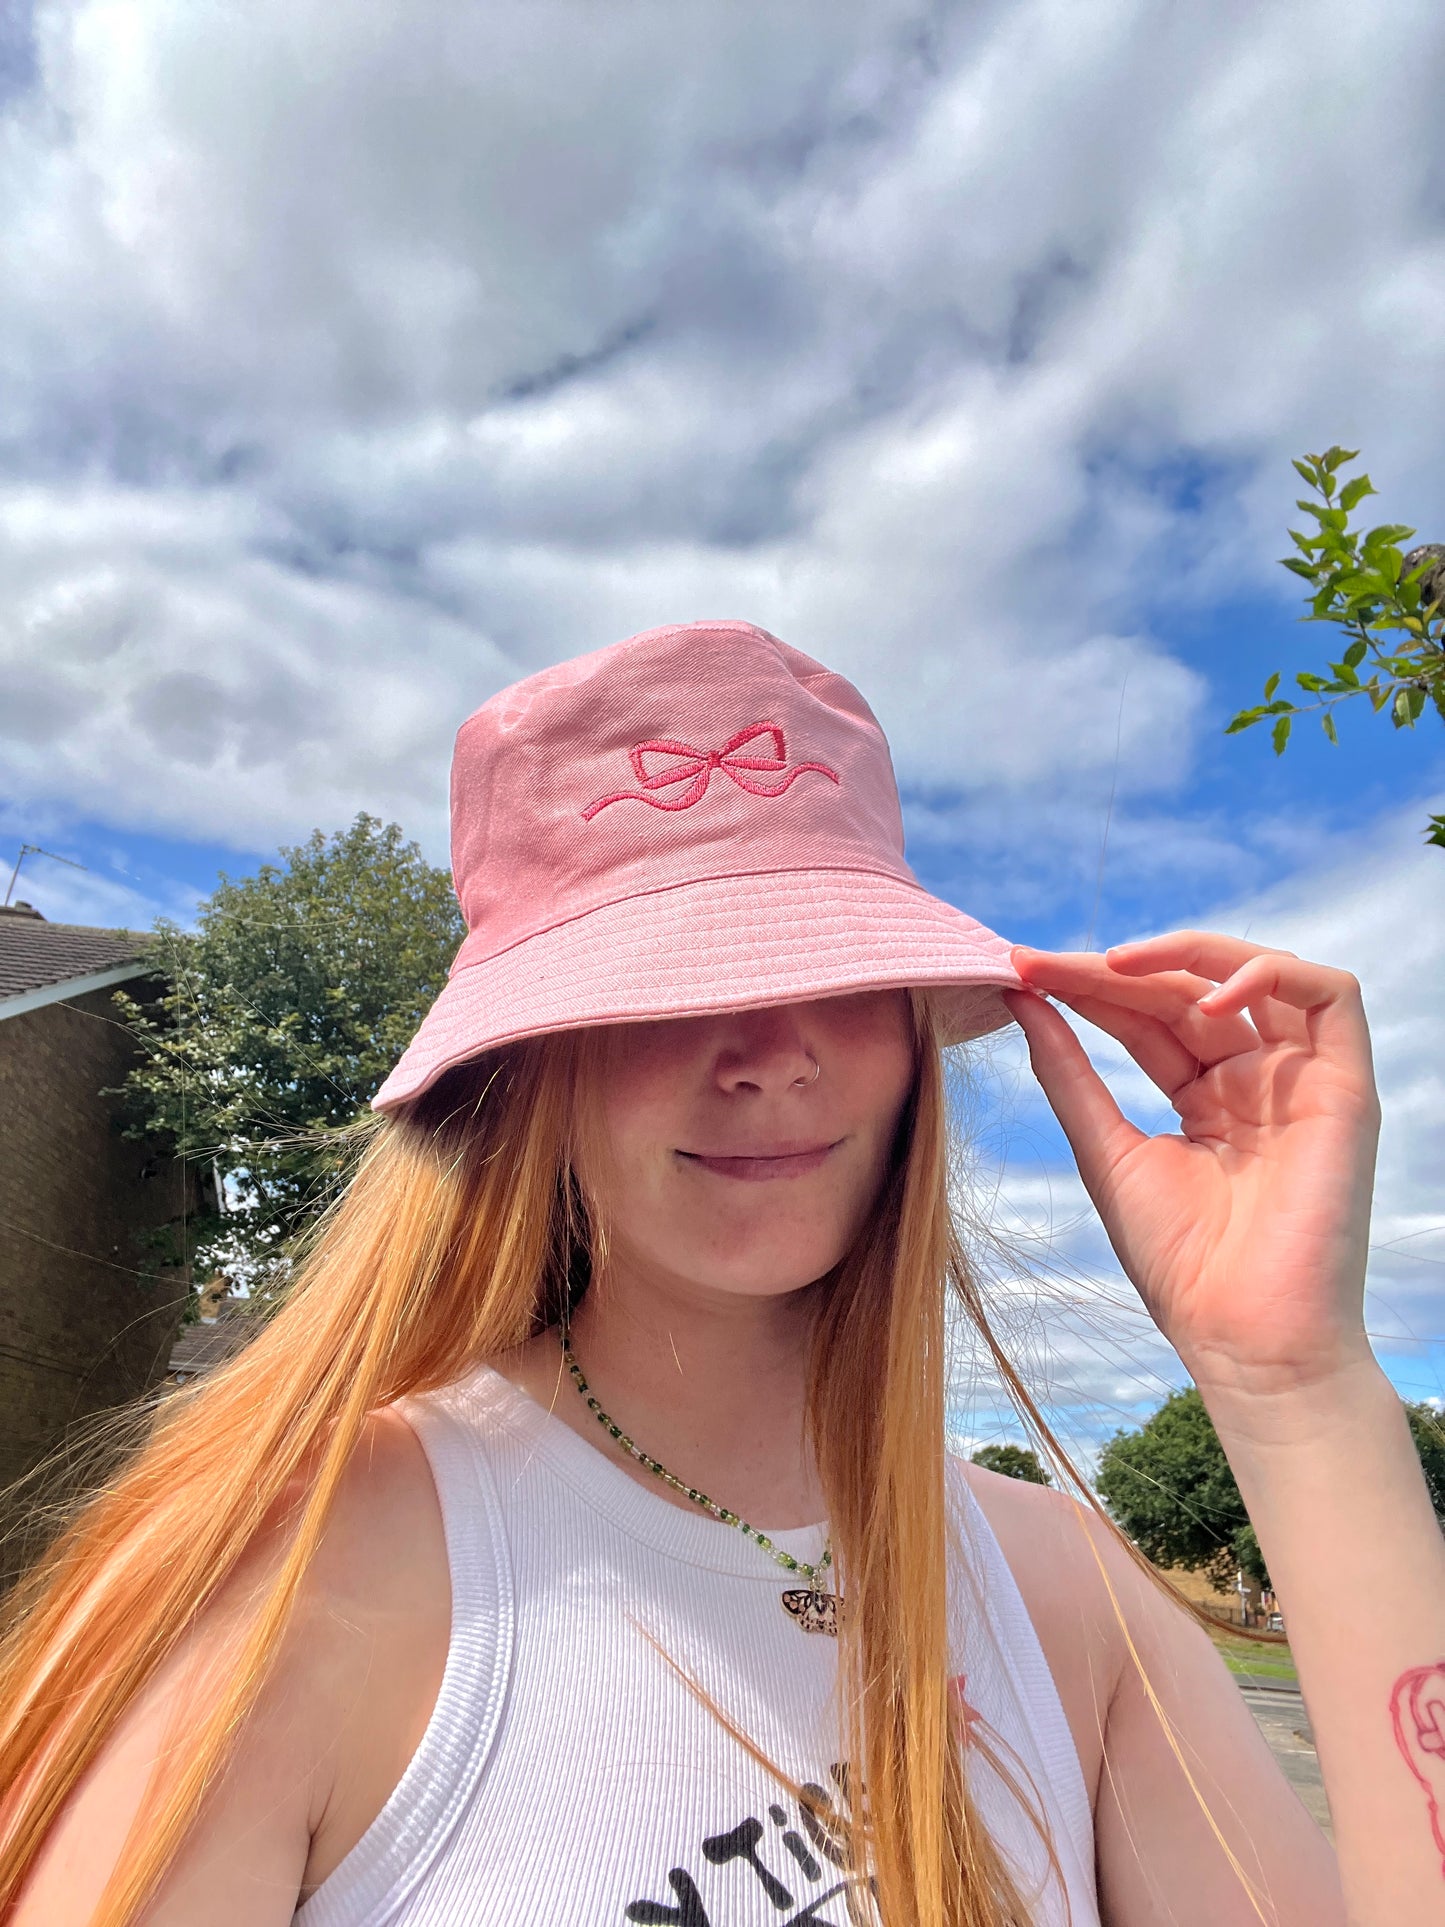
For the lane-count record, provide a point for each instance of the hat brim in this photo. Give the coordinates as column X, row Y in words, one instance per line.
column 725, row 943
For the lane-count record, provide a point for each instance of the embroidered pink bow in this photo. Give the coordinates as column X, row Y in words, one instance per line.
column 695, row 767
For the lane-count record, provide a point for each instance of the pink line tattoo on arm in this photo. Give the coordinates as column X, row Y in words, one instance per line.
column 1417, row 1707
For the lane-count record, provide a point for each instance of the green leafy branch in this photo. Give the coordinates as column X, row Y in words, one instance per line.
column 1390, row 605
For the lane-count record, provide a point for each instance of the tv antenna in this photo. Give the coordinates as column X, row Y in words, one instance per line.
column 34, row 849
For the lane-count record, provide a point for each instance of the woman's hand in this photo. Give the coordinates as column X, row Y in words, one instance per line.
column 1245, row 1234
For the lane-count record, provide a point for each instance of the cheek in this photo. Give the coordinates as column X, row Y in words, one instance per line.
column 635, row 1119
column 876, row 1072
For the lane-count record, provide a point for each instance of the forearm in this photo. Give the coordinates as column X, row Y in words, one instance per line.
column 1333, row 1485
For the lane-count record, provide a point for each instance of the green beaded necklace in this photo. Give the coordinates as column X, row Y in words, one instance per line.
column 813, row 1607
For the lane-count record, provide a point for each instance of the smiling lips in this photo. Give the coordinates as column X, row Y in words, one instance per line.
column 784, row 1161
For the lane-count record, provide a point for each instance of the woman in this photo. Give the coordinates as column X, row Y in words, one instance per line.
column 488, row 1585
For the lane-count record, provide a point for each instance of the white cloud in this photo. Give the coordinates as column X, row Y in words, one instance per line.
column 169, row 672
column 355, row 360
column 358, row 359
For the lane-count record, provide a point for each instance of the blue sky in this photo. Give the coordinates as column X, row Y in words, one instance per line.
column 357, row 361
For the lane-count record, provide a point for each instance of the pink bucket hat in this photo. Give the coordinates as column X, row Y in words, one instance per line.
column 696, row 819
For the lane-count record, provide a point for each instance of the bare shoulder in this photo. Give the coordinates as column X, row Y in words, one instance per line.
column 371, row 1638
column 1089, row 1597
column 1185, row 1794
column 386, row 1516
column 1085, row 1586
column 1054, row 1544
column 1067, row 1564
column 335, row 1724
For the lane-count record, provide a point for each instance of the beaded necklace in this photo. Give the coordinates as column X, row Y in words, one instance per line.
column 812, row 1607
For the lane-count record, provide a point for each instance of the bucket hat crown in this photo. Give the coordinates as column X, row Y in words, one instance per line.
column 699, row 818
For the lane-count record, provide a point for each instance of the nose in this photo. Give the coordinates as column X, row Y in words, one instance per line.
column 765, row 1050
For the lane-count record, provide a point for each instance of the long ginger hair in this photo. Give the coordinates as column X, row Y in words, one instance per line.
column 460, row 1235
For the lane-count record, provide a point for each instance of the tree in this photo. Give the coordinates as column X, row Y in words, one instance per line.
column 285, row 1008
column 1389, row 604
column 1014, row 1461
column 1170, row 1487
column 1427, row 1428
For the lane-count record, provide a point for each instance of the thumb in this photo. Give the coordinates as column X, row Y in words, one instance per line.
column 1098, row 1132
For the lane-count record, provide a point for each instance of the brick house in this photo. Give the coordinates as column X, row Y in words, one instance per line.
column 86, row 1318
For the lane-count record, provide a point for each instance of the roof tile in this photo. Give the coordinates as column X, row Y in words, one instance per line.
column 35, row 954
column 210, row 1342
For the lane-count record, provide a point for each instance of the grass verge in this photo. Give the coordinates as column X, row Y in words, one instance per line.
column 1245, row 1656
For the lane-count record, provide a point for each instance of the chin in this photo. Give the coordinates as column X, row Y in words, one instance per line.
column 776, row 1279
column 771, row 1287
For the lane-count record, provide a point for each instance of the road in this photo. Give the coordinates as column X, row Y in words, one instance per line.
column 1280, row 1715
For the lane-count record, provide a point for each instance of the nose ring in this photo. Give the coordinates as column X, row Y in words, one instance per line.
column 817, row 1073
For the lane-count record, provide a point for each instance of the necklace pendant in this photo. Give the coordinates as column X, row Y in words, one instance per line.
column 813, row 1612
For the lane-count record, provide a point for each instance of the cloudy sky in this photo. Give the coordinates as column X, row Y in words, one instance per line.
column 357, row 360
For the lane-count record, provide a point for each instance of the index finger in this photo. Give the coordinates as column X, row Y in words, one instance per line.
column 1162, row 992
column 1208, row 953
column 1255, row 974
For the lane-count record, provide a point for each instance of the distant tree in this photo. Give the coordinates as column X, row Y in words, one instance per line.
column 1014, row 1461
column 286, row 1006
column 1390, row 605
column 1170, row 1487
column 1427, row 1428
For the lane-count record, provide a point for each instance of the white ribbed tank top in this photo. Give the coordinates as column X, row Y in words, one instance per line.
column 569, row 1778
